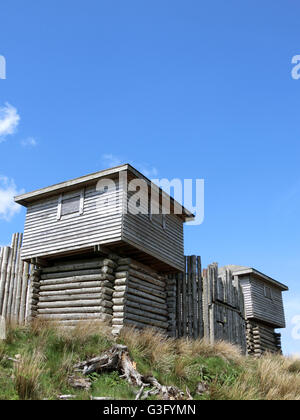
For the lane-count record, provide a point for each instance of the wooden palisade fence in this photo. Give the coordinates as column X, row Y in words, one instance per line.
column 209, row 305
column 14, row 282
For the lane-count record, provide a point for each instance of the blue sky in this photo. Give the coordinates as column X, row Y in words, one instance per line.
column 183, row 89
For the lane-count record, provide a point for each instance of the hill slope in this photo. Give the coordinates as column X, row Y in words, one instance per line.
column 37, row 362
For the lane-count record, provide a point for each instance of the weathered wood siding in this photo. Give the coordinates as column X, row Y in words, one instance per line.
column 268, row 310
column 164, row 243
column 99, row 223
column 247, row 292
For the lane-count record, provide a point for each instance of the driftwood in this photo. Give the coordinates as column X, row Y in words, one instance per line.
column 66, row 397
column 78, row 382
column 202, row 388
column 117, row 359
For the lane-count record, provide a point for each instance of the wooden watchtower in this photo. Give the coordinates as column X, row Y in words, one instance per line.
column 264, row 310
column 100, row 255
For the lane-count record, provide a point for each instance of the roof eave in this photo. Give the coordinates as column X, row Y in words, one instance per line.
column 27, row 198
column 276, row 283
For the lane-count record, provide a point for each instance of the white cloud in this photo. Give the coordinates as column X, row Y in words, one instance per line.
column 29, row 142
column 112, row 160
column 146, row 169
column 8, row 189
column 9, row 120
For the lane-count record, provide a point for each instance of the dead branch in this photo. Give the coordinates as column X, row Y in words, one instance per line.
column 117, row 359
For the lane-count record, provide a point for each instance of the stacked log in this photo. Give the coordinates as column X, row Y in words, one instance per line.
column 72, row 291
column 171, row 288
column 262, row 338
column 139, row 298
column 34, row 293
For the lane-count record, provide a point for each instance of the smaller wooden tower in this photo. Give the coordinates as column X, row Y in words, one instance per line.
column 264, row 309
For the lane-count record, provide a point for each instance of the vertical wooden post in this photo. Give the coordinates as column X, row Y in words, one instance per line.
column 184, row 300
column 6, row 308
column 24, row 289
column 19, row 283
column 200, row 297
column 15, row 277
column 190, row 298
column 12, row 277
column 194, row 296
column 3, row 278
column 179, row 305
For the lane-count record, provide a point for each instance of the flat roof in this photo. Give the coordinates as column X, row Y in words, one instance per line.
column 240, row 270
column 30, row 197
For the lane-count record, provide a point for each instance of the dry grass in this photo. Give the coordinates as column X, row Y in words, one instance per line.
column 83, row 331
column 48, row 353
column 294, row 367
column 158, row 348
column 270, row 377
column 194, row 348
column 27, row 373
column 276, row 380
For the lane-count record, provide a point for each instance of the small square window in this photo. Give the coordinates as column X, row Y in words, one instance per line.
column 70, row 204
column 268, row 292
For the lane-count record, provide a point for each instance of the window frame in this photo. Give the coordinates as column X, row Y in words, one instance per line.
column 266, row 294
column 161, row 224
column 66, row 196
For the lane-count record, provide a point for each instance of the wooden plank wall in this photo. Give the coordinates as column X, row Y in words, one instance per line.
column 14, row 282
column 209, row 305
column 163, row 242
column 100, row 222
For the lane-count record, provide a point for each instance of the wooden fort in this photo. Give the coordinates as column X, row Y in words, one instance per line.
column 87, row 255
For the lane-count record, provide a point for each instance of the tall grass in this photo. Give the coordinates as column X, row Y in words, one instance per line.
column 48, row 354
column 27, row 373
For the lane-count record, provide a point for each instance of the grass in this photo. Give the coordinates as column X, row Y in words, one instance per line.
column 35, row 362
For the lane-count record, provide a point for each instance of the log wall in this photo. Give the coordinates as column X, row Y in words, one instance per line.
column 139, row 297
column 262, row 338
column 74, row 290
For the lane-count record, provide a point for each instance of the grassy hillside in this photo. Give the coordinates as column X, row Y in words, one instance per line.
column 36, row 361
